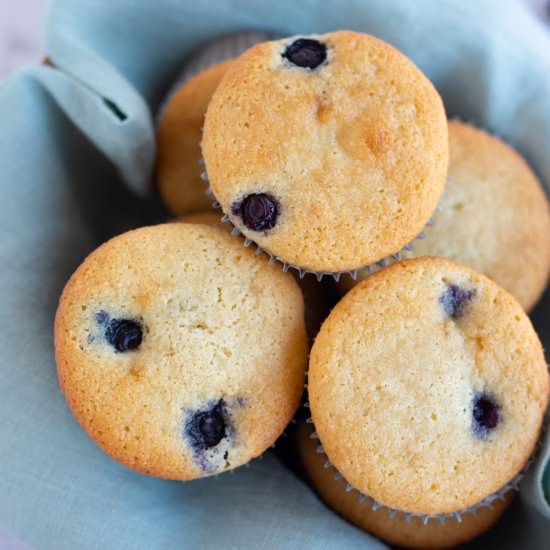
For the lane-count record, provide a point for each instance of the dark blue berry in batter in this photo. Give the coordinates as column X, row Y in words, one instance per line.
column 124, row 334
column 306, row 53
column 258, row 211
column 485, row 413
column 207, row 428
column 102, row 317
column 455, row 299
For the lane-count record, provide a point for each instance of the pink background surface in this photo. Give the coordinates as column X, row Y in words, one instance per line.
column 21, row 24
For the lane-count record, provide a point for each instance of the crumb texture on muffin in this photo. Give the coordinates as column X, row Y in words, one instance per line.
column 319, row 296
column 395, row 529
column 428, row 386
column 178, row 143
column 494, row 216
column 353, row 148
column 180, row 352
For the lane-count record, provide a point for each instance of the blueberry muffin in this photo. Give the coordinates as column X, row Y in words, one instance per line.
column 330, row 152
column 494, row 216
column 428, row 387
column 319, row 296
column 178, row 143
column 181, row 353
column 393, row 529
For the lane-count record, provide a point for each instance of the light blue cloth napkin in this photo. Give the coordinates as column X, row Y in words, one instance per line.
column 76, row 154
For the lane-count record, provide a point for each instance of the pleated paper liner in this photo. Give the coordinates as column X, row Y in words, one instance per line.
column 345, row 284
column 487, row 502
column 336, row 275
column 393, row 530
column 232, row 46
column 225, row 47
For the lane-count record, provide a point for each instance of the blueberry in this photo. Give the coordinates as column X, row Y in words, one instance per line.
column 102, row 317
column 206, row 428
column 258, row 211
column 485, row 413
column 455, row 299
column 306, row 53
column 124, row 334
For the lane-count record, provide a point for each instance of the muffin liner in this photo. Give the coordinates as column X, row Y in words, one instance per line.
column 487, row 502
column 384, row 262
column 231, row 46
column 214, row 52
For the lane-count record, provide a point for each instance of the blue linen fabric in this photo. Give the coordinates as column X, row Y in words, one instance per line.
column 76, row 157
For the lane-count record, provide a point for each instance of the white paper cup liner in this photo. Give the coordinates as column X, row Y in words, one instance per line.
column 487, row 502
column 302, row 271
column 225, row 47
column 231, row 46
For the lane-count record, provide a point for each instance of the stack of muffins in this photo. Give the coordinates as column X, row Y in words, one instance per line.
column 182, row 350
